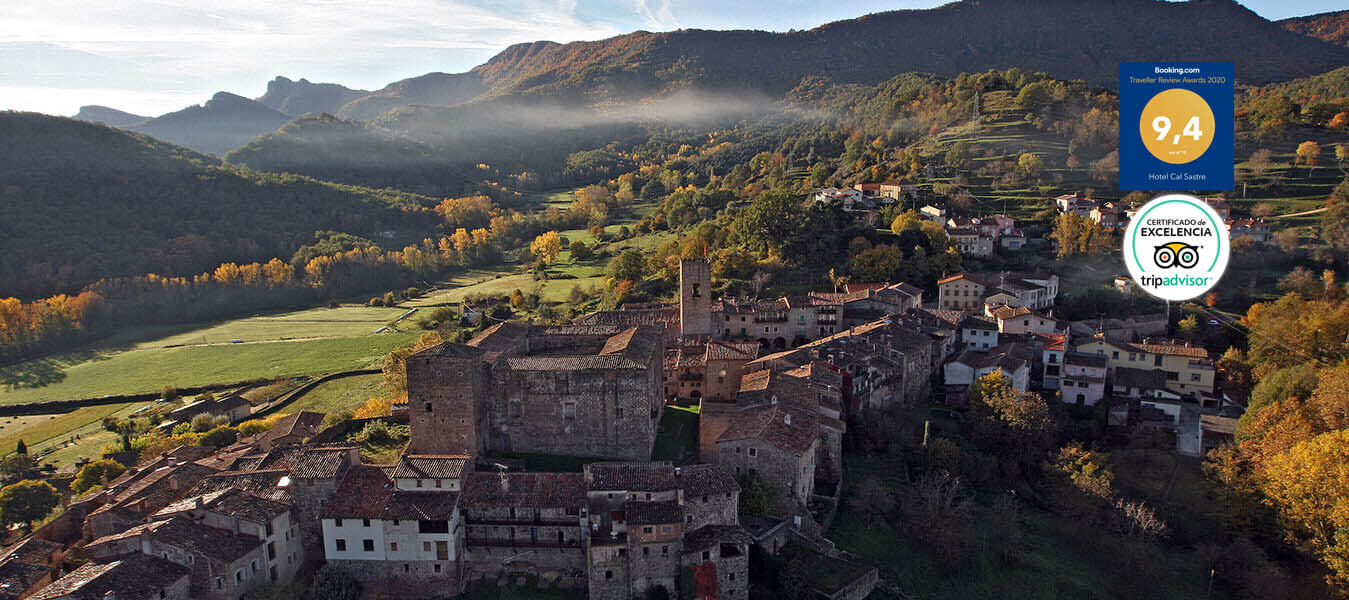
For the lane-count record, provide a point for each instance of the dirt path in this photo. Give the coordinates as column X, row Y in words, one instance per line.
column 1299, row 214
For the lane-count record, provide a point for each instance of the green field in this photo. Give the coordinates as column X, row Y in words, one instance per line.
column 678, row 438
column 148, row 369
column 344, row 321
column 346, row 393
column 44, row 432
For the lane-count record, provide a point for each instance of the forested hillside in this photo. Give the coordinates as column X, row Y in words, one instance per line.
column 1332, row 27
column 84, row 201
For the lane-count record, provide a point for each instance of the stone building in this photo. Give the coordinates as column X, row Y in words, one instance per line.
column 133, row 577
column 650, row 522
column 524, row 519
column 776, row 442
column 223, row 565
column 565, row 390
column 391, row 535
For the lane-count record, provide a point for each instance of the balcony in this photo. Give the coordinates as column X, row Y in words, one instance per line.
column 508, row 543
column 525, row 521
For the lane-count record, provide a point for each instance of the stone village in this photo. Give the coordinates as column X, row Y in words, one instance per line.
column 776, row 382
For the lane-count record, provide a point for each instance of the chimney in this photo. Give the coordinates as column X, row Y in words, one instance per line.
column 787, row 419
column 505, row 483
column 173, row 484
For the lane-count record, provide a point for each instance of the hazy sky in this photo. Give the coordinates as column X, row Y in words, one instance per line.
column 154, row 56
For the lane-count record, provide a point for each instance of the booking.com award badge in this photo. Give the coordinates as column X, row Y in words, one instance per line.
column 1175, row 126
column 1176, row 248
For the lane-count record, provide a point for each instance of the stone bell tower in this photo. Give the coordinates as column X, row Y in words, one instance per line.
column 695, row 297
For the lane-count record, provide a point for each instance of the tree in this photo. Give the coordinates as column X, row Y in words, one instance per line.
column 27, row 501
column 757, row 498
column 331, row 583
column 1030, row 164
column 1262, row 210
column 1341, row 152
column 628, row 266
column 1189, row 326
column 1261, row 160
column 1034, row 96
column 1308, row 152
column 794, row 580
column 547, row 246
column 1309, row 485
column 517, row 299
column 17, row 464
column 906, row 221
column 95, row 473
column 21, row 448
column 872, row 500
column 219, row 437
column 1076, row 234
column 759, row 281
column 580, row 250
column 958, row 157
column 1009, row 420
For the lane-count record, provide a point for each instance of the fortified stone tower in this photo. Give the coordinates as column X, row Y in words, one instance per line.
column 695, row 297
column 445, row 387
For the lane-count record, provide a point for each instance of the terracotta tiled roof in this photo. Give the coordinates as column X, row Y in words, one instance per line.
column 709, row 536
column 790, row 429
column 542, row 490
column 302, row 424
column 732, row 350
column 654, row 513
column 321, row 463
column 631, row 476
column 1171, row 348
column 17, row 576
column 420, row 506
column 232, row 502
column 157, row 489
column 363, row 494
column 430, row 466
column 33, row 550
column 266, row 484
column 134, row 576
column 192, row 537
column 1140, row 378
column 702, row 480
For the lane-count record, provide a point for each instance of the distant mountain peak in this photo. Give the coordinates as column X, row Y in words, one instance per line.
column 108, row 116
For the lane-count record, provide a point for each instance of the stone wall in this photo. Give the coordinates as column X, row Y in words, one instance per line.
column 712, row 509
column 713, row 419
column 588, row 413
column 412, row 579
column 444, row 396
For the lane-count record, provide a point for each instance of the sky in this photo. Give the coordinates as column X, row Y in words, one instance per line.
column 150, row 57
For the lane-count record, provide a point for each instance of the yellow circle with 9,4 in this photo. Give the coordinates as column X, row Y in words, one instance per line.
column 1176, row 126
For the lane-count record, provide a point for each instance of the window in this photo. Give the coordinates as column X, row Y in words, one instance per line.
column 271, row 551
column 219, row 582
column 395, row 522
column 437, row 567
column 648, row 529
column 253, row 566
column 405, row 568
column 664, row 550
column 365, row 522
column 238, row 576
column 608, row 574
column 338, row 522
column 569, row 410
column 753, row 451
column 393, row 546
column 1172, row 376
column 419, row 483
column 697, row 290
column 368, row 545
column 426, row 546
column 341, row 545
column 1115, row 355
column 1157, row 361
column 516, row 409
column 646, row 551
column 438, row 482
column 269, row 530
column 618, row 413
column 428, row 407
column 707, row 555
column 1194, row 377
column 666, row 529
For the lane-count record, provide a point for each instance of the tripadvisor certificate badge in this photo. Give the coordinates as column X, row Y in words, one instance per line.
column 1176, row 248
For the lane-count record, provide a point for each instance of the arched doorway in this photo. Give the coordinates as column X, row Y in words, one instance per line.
column 1081, row 399
column 780, row 343
column 696, row 395
column 765, row 344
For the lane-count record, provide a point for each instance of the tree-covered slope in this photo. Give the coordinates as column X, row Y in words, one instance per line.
column 81, row 201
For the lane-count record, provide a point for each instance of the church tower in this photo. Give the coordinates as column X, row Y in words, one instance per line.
column 695, row 297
